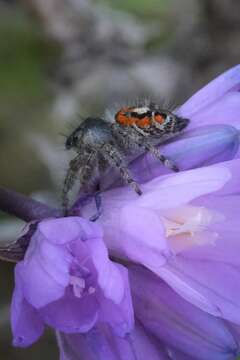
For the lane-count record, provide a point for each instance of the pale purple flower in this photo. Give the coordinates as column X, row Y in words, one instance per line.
column 100, row 343
column 176, row 322
column 166, row 327
column 67, row 281
column 216, row 103
column 184, row 229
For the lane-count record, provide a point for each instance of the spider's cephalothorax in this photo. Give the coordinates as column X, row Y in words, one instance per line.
column 100, row 144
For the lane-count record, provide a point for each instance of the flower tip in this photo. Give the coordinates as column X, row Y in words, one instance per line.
column 20, row 341
column 205, row 146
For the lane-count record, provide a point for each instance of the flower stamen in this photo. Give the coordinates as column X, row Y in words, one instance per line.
column 188, row 226
column 78, row 285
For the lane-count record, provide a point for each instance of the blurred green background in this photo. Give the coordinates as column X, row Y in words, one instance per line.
column 62, row 58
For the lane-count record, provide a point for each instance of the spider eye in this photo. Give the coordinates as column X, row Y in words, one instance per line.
column 170, row 117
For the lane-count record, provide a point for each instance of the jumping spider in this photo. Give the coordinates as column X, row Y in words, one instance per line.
column 101, row 144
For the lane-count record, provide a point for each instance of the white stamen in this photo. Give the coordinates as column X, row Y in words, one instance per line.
column 78, row 285
column 187, row 226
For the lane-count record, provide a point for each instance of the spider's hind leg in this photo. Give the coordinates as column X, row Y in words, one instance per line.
column 69, row 181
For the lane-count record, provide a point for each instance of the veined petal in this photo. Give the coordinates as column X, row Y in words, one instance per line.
column 137, row 235
column 211, row 285
column 136, row 346
column 110, row 277
column 178, row 323
column 45, row 267
column 226, row 111
column 172, row 191
column 214, row 91
column 120, row 317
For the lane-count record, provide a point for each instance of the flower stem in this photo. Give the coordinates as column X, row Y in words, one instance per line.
column 23, row 207
column 26, row 209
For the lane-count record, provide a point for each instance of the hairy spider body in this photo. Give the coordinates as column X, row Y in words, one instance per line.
column 100, row 144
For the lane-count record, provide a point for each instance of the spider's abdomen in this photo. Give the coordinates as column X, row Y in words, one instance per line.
column 92, row 133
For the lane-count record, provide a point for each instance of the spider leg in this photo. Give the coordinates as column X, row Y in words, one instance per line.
column 139, row 138
column 165, row 160
column 69, row 181
column 113, row 156
column 98, row 202
column 86, row 166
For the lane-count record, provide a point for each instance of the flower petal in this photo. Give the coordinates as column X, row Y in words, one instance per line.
column 211, row 285
column 107, row 346
column 199, row 147
column 26, row 323
column 172, row 191
column 109, row 275
column 45, row 267
column 71, row 314
column 64, row 230
column 211, row 93
column 225, row 111
column 176, row 322
column 119, row 316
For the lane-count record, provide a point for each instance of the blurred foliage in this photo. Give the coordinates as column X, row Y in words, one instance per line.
column 155, row 12
column 147, row 10
column 24, row 98
column 24, row 104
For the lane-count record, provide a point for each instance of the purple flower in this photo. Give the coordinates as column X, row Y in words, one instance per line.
column 183, row 234
column 184, row 228
column 100, row 343
column 67, row 281
column 176, row 322
column 216, row 103
column 166, row 327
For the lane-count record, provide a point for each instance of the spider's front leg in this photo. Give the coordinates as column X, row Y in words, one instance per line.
column 142, row 141
column 114, row 158
column 154, row 150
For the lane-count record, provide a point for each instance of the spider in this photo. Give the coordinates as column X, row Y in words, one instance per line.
column 100, row 144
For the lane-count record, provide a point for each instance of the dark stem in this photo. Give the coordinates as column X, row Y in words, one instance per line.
column 23, row 207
